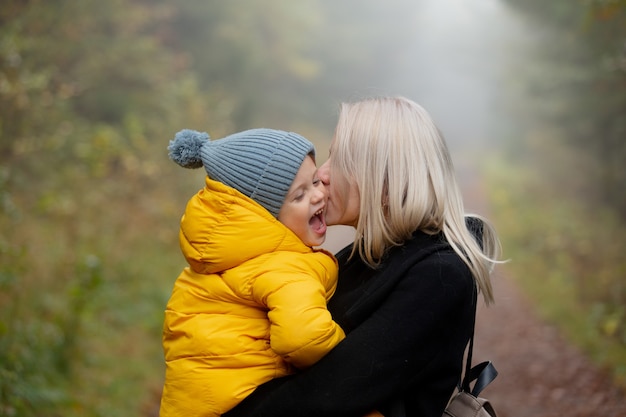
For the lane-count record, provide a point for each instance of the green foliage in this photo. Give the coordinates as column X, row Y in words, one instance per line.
column 81, row 88
column 568, row 257
column 561, row 205
column 90, row 93
column 573, row 72
column 31, row 374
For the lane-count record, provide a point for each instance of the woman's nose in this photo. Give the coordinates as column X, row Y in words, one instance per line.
column 319, row 194
column 323, row 172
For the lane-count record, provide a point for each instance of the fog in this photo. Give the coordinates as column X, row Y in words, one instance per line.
column 456, row 65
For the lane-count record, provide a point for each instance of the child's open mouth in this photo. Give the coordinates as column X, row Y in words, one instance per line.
column 317, row 222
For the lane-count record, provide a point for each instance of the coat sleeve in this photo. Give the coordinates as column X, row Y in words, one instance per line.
column 394, row 346
column 302, row 329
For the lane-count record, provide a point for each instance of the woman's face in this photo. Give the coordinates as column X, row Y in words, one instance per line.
column 343, row 196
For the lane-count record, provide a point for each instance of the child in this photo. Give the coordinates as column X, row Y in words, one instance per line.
column 252, row 302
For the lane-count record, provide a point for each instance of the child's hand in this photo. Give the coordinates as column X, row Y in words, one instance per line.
column 374, row 413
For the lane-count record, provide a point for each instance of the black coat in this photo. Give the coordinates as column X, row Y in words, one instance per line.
column 408, row 323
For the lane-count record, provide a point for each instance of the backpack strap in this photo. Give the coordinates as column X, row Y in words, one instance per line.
column 483, row 373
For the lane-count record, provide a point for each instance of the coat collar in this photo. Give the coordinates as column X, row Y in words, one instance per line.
column 395, row 265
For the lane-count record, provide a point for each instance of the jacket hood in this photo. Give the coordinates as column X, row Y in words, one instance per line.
column 222, row 228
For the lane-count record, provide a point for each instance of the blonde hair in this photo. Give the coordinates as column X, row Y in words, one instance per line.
column 391, row 149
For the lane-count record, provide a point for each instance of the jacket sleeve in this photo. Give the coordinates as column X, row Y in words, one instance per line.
column 393, row 347
column 302, row 329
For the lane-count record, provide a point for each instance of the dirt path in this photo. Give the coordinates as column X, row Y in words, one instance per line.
column 540, row 373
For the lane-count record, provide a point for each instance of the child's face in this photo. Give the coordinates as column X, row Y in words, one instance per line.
column 303, row 209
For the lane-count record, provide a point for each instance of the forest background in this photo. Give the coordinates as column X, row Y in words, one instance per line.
column 530, row 94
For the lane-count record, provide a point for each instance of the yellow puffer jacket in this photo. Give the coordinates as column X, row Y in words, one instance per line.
column 244, row 266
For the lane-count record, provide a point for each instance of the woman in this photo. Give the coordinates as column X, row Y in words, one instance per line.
column 407, row 285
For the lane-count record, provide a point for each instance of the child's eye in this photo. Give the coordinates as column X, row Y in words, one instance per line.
column 316, row 181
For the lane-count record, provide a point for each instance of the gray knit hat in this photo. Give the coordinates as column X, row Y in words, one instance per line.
column 260, row 163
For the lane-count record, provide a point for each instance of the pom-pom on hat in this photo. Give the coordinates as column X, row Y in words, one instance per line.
column 259, row 163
